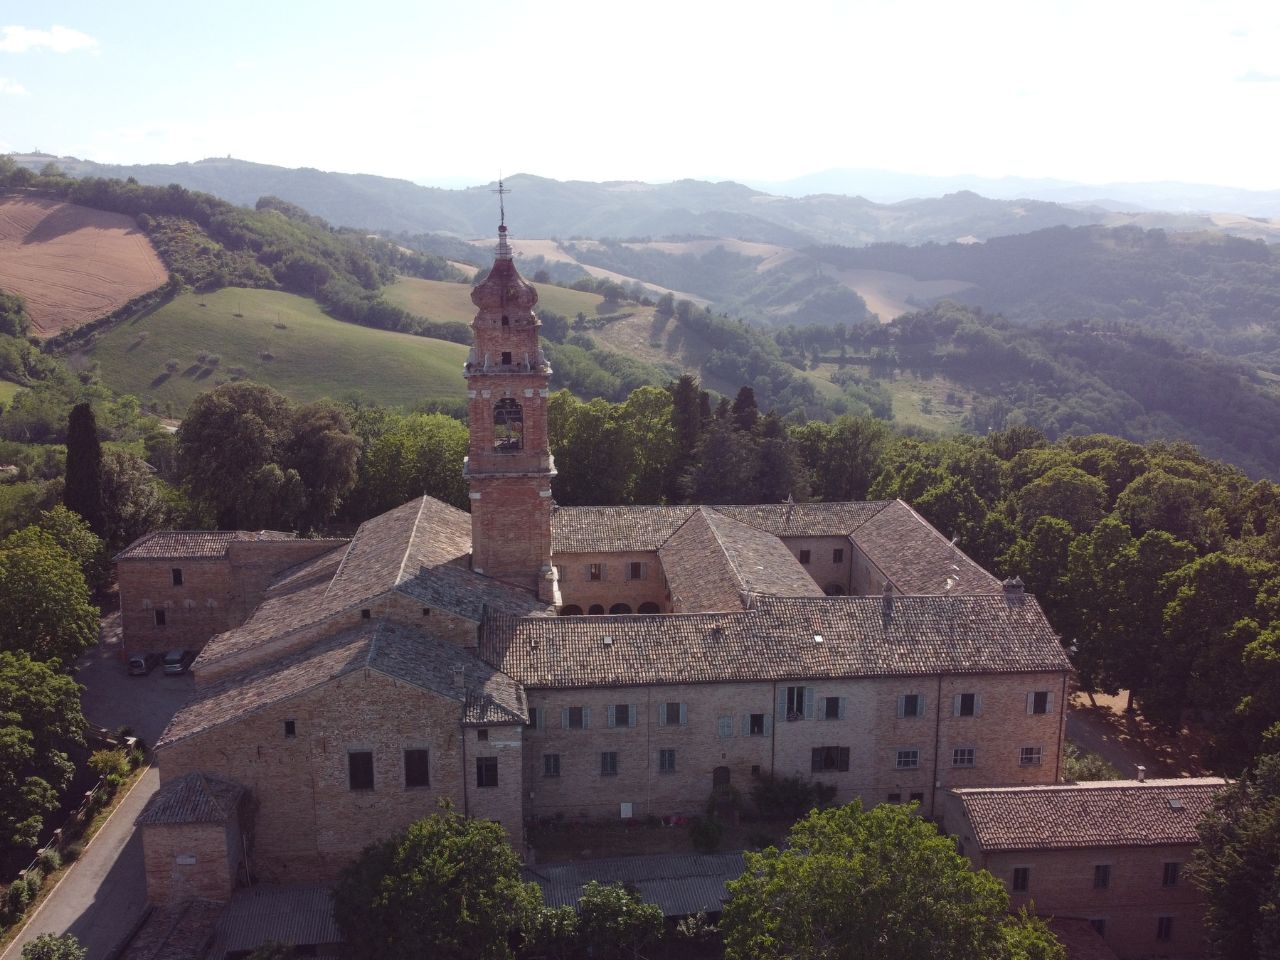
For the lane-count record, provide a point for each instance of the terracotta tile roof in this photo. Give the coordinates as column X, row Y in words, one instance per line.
column 174, row 931
column 407, row 655
column 420, row 548
column 613, row 529
column 192, row 544
column 1103, row 813
column 713, row 562
column 295, row 914
column 916, row 558
column 194, row 798
column 807, row 519
column 776, row 640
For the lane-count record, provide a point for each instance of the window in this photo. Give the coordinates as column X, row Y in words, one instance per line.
column 635, row 570
column 917, row 797
column 486, row 771
column 832, row 708
column 799, row 704
column 622, row 715
column 1021, row 879
column 908, row 759
column 366, row 614
column 755, row 770
column 676, row 715
column 426, row 611
column 618, row 608
column 963, row 756
column 804, row 556
column 895, row 798
column 1164, row 928
column 1099, row 925
column 160, row 617
column 1030, row 756
column 551, row 764
column 1171, row 871
column 1040, row 702
column 724, row 726
column 176, row 573
column 360, row 769
column 506, row 358
column 508, row 425
column 482, row 734
column 837, row 555
column 829, row 759
column 595, row 571
column 755, row 725
column 537, row 718
column 506, row 321
column 290, row 728
column 967, row 705
column 911, row 705
column 609, row 764
column 666, row 761
column 1101, row 876
column 417, row 768
column 575, row 718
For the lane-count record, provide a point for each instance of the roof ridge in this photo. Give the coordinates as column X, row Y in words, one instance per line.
column 413, row 532
column 728, row 554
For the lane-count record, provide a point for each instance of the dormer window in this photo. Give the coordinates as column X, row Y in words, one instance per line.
column 508, row 423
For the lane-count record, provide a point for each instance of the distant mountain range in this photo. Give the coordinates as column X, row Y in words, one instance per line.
column 884, row 186
column 626, row 209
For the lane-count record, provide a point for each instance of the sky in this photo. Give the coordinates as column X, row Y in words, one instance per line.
column 455, row 93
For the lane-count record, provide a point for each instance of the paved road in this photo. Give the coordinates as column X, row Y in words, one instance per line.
column 1125, row 741
column 104, row 893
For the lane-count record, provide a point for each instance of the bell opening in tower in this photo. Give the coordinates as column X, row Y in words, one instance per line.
column 508, row 426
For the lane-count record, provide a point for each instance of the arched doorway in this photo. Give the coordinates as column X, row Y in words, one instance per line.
column 595, row 610
column 620, row 608
column 649, row 607
column 571, row 610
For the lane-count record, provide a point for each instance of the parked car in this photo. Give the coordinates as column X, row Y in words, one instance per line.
column 177, row 661
column 140, row 664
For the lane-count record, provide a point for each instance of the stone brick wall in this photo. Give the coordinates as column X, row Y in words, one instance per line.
column 216, row 594
column 865, row 578
column 502, row 802
column 866, row 723
column 822, row 566
column 307, row 822
column 614, row 586
column 191, row 861
column 511, row 527
column 1061, row 883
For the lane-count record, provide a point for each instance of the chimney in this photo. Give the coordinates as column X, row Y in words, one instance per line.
column 1013, row 585
column 1142, row 774
column 886, row 602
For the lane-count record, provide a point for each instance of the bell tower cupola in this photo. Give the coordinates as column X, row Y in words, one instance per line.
column 509, row 465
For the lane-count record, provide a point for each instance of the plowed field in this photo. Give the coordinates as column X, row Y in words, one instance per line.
column 72, row 264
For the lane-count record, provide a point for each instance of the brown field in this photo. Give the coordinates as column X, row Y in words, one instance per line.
column 72, row 264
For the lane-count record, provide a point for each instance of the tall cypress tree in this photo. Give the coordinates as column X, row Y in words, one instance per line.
column 83, row 492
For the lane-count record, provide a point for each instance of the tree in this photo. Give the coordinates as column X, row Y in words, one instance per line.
column 44, row 600
column 40, row 718
column 83, row 491
column 405, row 456
column 880, row 884
column 744, row 409
column 49, row 946
column 614, row 923
column 135, row 502
column 448, row 886
column 72, row 534
column 323, row 450
column 1235, row 866
column 725, row 466
column 1065, row 492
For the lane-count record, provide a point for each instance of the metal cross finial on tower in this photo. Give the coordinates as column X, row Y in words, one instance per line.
column 502, row 191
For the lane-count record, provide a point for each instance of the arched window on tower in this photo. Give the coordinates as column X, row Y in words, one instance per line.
column 508, row 426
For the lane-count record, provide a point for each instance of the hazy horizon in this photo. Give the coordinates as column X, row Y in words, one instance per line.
column 1088, row 93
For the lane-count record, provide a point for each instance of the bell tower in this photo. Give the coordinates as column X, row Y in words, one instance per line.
column 509, row 465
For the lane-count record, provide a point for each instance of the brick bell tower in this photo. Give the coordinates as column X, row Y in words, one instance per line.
column 509, row 465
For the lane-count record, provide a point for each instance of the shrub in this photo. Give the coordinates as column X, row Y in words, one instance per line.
column 790, row 797
column 73, row 851
column 34, row 880
column 48, row 946
column 706, row 834
column 17, row 898
column 106, row 763
column 50, row 860
column 114, row 782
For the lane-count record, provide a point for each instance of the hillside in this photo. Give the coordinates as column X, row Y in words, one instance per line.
column 72, row 264
column 271, row 337
column 451, row 302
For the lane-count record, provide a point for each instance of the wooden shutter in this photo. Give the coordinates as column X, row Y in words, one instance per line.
column 768, row 724
column 586, row 717
column 840, row 712
column 662, row 714
column 633, row 711
column 564, row 719
column 902, row 705
column 782, row 702
column 808, row 703
column 842, row 759
column 684, row 715
column 977, row 704
column 611, row 714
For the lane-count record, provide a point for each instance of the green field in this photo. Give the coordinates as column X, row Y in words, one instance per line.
column 440, row 300
column 274, row 338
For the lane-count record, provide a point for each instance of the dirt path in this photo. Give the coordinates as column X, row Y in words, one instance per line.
column 1126, row 740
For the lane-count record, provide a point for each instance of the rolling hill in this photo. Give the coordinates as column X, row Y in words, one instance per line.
column 271, row 337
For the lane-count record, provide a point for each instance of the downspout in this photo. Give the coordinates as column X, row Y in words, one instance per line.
column 648, row 750
column 466, row 796
column 1062, row 727
column 773, row 731
column 937, row 736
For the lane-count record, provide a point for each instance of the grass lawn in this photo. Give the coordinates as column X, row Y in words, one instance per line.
column 440, row 300
column 274, row 338
column 8, row 390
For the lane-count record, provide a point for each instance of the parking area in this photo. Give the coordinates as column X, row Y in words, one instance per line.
column 112, row 698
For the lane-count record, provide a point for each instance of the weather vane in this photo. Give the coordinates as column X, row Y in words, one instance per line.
column 502, row 191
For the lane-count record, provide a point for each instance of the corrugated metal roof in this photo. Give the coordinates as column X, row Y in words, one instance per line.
column 681, row 884
column 295, row 914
